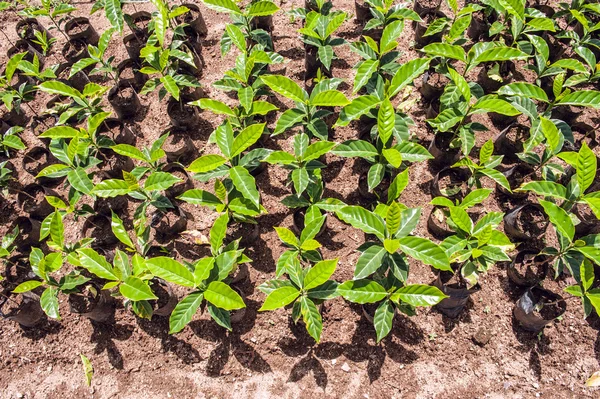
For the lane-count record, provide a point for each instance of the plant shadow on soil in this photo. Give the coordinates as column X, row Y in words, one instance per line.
column 103, row 336
column 358, row 351
column 158, row 327
column 231, row 343
column 42, row 330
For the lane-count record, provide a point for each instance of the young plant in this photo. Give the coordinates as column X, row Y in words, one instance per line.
column 387, row 263
column 485, row 167
column 58, row 11
column 208, row 278
column 82, row 105
column 11, row 141
column 232, row 163
column 303, row 163
column 307, row 286
column 317, row 32
column 385, row 13
column 96, row 56
column 305, row 112
column 13, row 97
column 477, row 246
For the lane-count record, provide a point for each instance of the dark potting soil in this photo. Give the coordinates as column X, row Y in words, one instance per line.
column 78, row 27
column 83, row 302
column 183, row 112
column 438, row 81
column 452, row 183
column 36, row 160
column 547, row 310
column 127, row 73
column 528, row 268
column 124, row 96
column 73, row 49
column 32, row 198
column 161, row 293
column 532, row 221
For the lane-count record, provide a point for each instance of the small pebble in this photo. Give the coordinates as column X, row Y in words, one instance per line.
column 333, row 361
column 345, row 367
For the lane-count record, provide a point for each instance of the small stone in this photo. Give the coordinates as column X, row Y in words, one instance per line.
column 333, row 361
column 19, row 395
column 507, row 385
column 482, row 336
column 345, row 367
column 253, row 340
column 536, row 385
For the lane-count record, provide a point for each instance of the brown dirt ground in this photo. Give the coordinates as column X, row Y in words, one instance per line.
column 427, row 356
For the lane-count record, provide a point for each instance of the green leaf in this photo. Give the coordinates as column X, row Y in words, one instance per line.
column 312, row 318
column 445, row 50
column 88, row 369
column 319, row 273
column 119, row 231
column 591, row 253
column 96, row 264
column 552, row 134
column 398, row 185
column 262, row 8
column 111, row 188
column 200, row 197
column 114, row 13
column 171, row 86
column 56, row 87
column 386, row 120
column 78, row 178
column 170, row 270
column 329, row 98
column 499, row 54
column 27, row 286
column 425, row 251
column 49, row 302
column 522, row 89
column 357, row 107
column 129, row 151
column 406, row 74
column 369, row 261
column 587, row 164
column 356, row 148
column 218, row 232
column 236, row 36
column 184, row 311
column 57, row 229
column 206, row 163
column 13, row 141
column 222, row 6
column 559, row 218
column 245, row 184
column 582, row 98
column 287, row 236
column 545, row 188
column 362, row 291
column 362, row 219
column 136, row 289
column 393, row 218
column 279, row 298
column 487, row 104
column 286, row 87
column 461, row 218
column 515, row 7
column 223, row 296
column 383, row 318
column 420, row 295
column 59, row 132
column 246, row 138
column 215, row 106
column 160, row 181
column 364, row 73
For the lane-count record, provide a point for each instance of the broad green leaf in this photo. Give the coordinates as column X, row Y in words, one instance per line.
column 88, row 369
column 279, row 298
column 287, row 236
column 57, row 229
column 425, row 251
column 49, row 302
column 223, row 296
column 170, row 270
column 222, row 6
column 356, row 148
column 522, row 89
column 200, row 197
column 206, row 163
column 286, row 87
column 319, row 273
column 262, row 8
column 136, row 289
column 383, row 318
column 419, row 295
column 406, row 74
column 158, row 181
column 587, row 164
column 246, row 138
column 171, row 86
column 461, row 218
column 215, row 106
column 287, row 120
column 591, row 253
column 552, row 134
column 582, row 98
column 27, row 286
column 559, row 218
column 96, row 264
column 184, row 311
column 487, row 104
column 545, row 188
column 445, row 50
column 60, row 132
column 129, row 151
column 245, row 184
column 119, row 231
column 393, row 218
column 111, row 188
column 357, row 107
column 236, row 36
column 329, row 98
column 364, row 73
column 362, row 291
column 56, row 87
column 369, row 261
column 362, row 219
column 386, row 120
column 311, row 317
column 114, row 13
